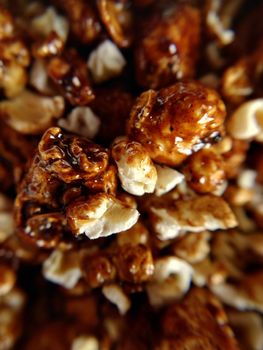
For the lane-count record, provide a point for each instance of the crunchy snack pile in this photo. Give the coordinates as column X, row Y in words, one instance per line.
column 131, row 175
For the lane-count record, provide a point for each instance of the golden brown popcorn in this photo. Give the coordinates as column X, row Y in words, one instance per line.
column 14, row 58
column 7, row 225
column 117, row 17
column 196, row 214
column 70, row 187
column 177, row 121
column 7, row 27
column 136, row 170
column 30, row 113
column 204, row 171
column 198, row 322
column 11, row 309
column 193, row 247
column 171, row 280
column 243, row 80
column 246, row 122
column 167, row 47
column 83, row 19
column 134, row 263
column 235, row 158
column 98, row 269
column 70, row 75
column 48, row 47
column 137, row 234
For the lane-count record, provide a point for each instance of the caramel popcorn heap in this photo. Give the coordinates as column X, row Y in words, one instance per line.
column 131, row 175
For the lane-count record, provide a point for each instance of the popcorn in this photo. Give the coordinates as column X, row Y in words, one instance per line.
column 62, row 268
column 135, row 168
column 115, row 295
column 49, row 22
column 106, row 62
column 247, row 121
column 171, row 280
column 193, row 215
column 81, row 121
column 85, row 342
column 102, row 215
column 167, row 179
column 30, row 113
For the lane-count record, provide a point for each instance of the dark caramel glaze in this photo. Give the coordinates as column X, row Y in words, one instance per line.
column 167, row 47
column 176, row 121
column 70, row 75
column 117, row 17
column 83, row 19
column 205, row 171
column 64, row 169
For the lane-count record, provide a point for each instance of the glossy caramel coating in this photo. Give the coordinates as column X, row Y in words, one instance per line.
column 205, row 171
column 167, row 47
column 176, row 121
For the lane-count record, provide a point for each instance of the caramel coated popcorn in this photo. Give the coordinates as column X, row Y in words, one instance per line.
column 176, row 121
column 131, row 175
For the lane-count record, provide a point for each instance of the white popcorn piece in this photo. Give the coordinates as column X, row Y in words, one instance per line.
column 136, row 170
column 193, row 215
column 106, row 62
column 171, row 280
column 7, row 224
column 102, row 216
column 62, row 268
column 247, row 121
column 237, row 297
column 216, row 25
column 30, row 113
column 38, row 77
column 247, row 178
column 115, row 295
column 50, row 21
column 167, row 179
column 85, row 342
column 82, row 121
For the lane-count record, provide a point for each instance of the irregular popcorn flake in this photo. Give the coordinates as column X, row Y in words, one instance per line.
column 136, row 170
column 62, row 268
column 193, row 215
column 246, row 295
column 49, row 22
column 29, row 113
column 167, row 179
column 82, row 121
column 247, row 121
column 215, row 24
column 100, row 216
column 39, row 78
column 7, row 225
column 85, row 342
column 171, row 280
column 193, row 247
column 247, row 178
column 106, row 62
column 115, row 295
